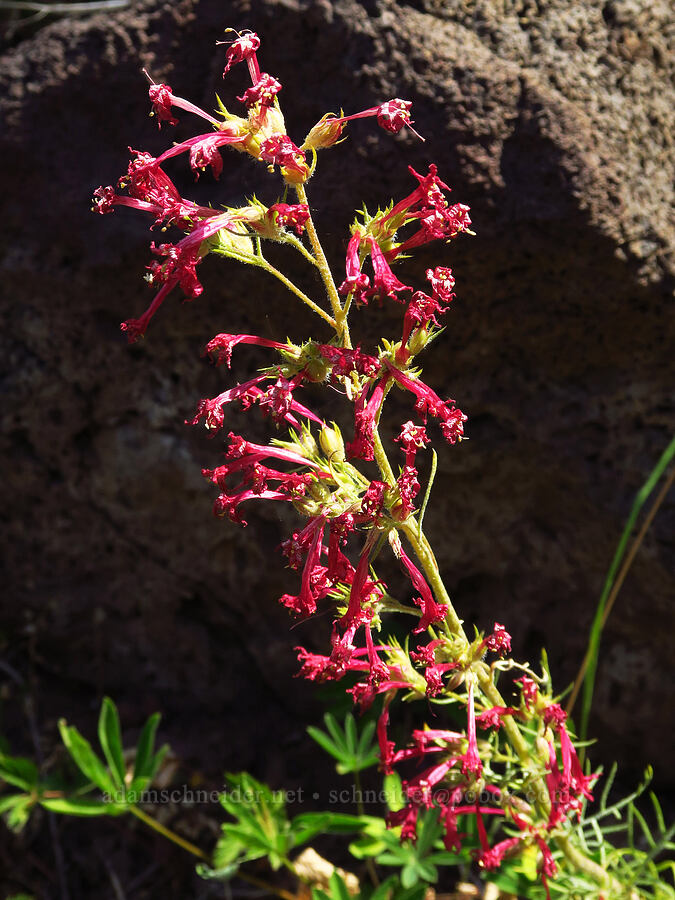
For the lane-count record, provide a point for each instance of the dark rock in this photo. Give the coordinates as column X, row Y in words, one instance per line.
column 554, row 121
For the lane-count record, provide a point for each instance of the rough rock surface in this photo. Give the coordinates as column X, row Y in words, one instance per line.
column 555, row 122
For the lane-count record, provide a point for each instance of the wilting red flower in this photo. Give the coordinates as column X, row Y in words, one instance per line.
column 365, row 411
column 492, row 718
column 471, row 761
column 442, row 281
column 499, row 641
column 160, row 96
column 263, row 92
column 385, row 283
column 529, row 690
column 432, row 612
column 356, row 282
column 223, row 344
column 243, row 48
column 294, row 214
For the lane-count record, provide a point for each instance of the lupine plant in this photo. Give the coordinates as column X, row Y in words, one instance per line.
column 495, row 783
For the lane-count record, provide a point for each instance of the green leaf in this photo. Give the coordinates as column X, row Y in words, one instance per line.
column 336, row 733
column 81, row 806
column 222, row 874
column 9, row 801
column 144, row 762
column 325, row 742
column 393, row 790
column 351, row 734
column 85, row 758
column 367, row 846
column 364, row 746
column 598, row 624
column 17, row 815
column 329, row 823
column 20, row 772
column 338, row 888
column 409, row 876
column 110, row 737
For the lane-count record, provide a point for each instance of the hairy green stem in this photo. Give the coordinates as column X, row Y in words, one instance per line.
column 341, row 327
column 268, row 267
column 167, row 833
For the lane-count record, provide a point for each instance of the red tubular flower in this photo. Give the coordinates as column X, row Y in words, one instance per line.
column 427, row 196
column 386, row 746
column 412, row 438
column 407, row 819
column 419, row 790
column 363, row 590
column 393, row 115
column 499, row 641
column 160, row 97
column 555, row 715
column 202, row 149
column 223, row 344
column 385, row 283
column 279, row 150
column 356, row 282
column 442, row 281
column 305, row 603
column 179, row 268
column 420, row 313
column 285, row 214
column 263, row 92
column 529, row 690
column 432, row 612
column 212, row 410
column 408, row 488
column 243, row 48
column 365, row 411
column 378, row 670
column 228, row 504
column 492, row 718
column 492, row 858
column 163, row 99
column 471, row 762
column 344, row 362
column 451, row 419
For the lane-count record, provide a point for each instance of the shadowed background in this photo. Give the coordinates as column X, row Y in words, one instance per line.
column 555, row 125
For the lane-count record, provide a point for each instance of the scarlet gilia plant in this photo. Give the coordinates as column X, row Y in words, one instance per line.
column 499, row 761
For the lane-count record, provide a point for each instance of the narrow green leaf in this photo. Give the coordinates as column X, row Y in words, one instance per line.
column 81, row 806
column 364, row 748
column 325, row 742
column 409, row 876
column 336, row 733
column 222, row 874
column 20, row 772
column 9, row 801
column 597, row 625
column 85, row 758
column 367, row 846
column 393, row 791
column 351, row 735
column 143, row 763
column 110, row 737
column 17, row 815
column 338, row 889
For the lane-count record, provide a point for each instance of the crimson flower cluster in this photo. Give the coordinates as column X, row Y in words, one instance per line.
column 347, row 516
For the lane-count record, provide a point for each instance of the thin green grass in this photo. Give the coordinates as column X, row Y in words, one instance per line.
column 585, row 680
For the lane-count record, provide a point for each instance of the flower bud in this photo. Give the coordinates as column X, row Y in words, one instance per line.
column 332, row 444
column 325, row 133
column 418, row 341
column 306, row 444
